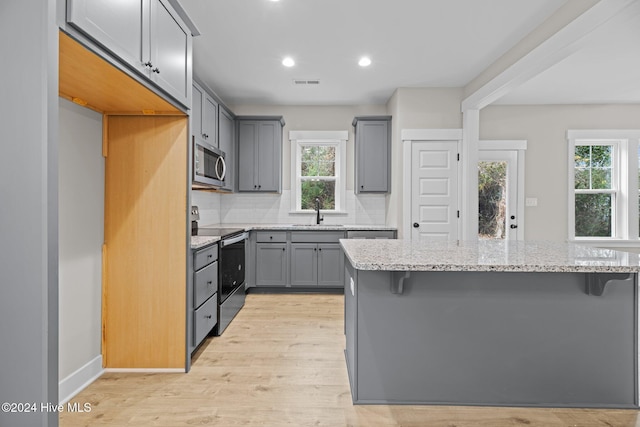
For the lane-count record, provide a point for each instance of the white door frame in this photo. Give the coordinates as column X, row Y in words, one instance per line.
column 520, row 147
column 408, row 136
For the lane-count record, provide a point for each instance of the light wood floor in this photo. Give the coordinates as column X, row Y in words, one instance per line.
column 281, row 363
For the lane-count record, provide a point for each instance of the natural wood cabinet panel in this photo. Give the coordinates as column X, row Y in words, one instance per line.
column 144, row 309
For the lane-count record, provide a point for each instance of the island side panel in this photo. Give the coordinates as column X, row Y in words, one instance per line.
column 533, row 339
column 351, row 325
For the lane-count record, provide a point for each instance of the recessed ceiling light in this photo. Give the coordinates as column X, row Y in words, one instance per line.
column 365, row 61
column 288, row 62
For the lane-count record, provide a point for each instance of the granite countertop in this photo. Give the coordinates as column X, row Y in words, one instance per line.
column 198, row 242
column 305, row 227
column 486, row 255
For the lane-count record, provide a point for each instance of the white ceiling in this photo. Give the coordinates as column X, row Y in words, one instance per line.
column 412, row 43
column 605, row 70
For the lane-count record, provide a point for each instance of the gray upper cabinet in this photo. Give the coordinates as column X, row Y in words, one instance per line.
column 204, row 116
column 118, row 26
column 145, row 34
column 373, row 154
column 260, row 153
column 169, row 51
column 226, row 142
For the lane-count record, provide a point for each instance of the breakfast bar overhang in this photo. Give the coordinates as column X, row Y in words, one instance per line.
column 491, row 323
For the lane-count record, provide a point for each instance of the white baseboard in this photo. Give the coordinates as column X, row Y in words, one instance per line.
column 79, row 380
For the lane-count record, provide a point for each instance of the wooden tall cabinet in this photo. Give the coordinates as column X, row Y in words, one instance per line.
column 146, row 246
column 144, row 312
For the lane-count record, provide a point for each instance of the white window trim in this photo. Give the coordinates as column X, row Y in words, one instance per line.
column 337, row 138
column 625, row 220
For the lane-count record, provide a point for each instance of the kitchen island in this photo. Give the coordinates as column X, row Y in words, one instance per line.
column 491, row 323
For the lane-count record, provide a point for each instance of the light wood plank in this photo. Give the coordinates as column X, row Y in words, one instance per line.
column 281, row 363
column 144, row 298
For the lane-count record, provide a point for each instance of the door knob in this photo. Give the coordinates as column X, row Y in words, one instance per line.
column 513, row 226
column 416, row 225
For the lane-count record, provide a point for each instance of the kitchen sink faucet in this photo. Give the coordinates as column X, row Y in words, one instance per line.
column 318, row 219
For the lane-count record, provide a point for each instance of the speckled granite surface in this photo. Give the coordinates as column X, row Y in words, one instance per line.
column 201, row 241
column 198, row 242
column 304, row 227
column 524, row 256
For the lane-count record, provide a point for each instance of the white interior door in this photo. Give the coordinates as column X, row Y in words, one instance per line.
column 434, row 190
column 498, row 199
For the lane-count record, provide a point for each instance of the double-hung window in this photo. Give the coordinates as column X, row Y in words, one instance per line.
column 318, row 170
column 603, row 185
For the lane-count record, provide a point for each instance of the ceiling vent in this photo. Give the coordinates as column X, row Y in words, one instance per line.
column 306, row 82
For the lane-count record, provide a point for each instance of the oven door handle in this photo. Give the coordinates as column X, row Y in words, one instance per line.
column 236, row 239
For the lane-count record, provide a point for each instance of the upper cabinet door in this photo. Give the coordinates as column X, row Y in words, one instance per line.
column 269, row 148
column 373, row 154
column 170, row 51
column 247, row 137
column 226, row 141
column 210, row 120
column 196, row 110
column 116, row 25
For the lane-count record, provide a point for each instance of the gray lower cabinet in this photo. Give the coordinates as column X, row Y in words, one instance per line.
column 271, row 264
column 316, row 264
column 205, row 297
column 330, row 265
column 304, row 264
column 146, row 34
column 316, row 259
column 372, row 154
column 259, row 153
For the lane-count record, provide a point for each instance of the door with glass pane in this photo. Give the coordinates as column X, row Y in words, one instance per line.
column 498, row 194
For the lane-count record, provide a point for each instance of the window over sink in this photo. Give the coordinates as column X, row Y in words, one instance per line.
column 318, row 170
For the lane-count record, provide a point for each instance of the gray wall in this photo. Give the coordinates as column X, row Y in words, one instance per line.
column 28, row 212
column 546, row 170
column 81, row 204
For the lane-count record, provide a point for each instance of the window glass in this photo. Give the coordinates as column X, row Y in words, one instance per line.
column 593, row 215
column 317, row 171
column 594, row 190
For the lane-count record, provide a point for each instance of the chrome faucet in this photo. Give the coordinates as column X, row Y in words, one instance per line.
column 318, row 219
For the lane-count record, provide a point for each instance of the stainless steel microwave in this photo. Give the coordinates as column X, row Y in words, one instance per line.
column 209, row 168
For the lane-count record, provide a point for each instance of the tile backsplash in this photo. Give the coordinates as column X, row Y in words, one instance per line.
column 258, row 208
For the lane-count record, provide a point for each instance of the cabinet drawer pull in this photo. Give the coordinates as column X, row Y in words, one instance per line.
column 210, row 256
column 208, row 317
column 283, row 249
column 210, row 282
